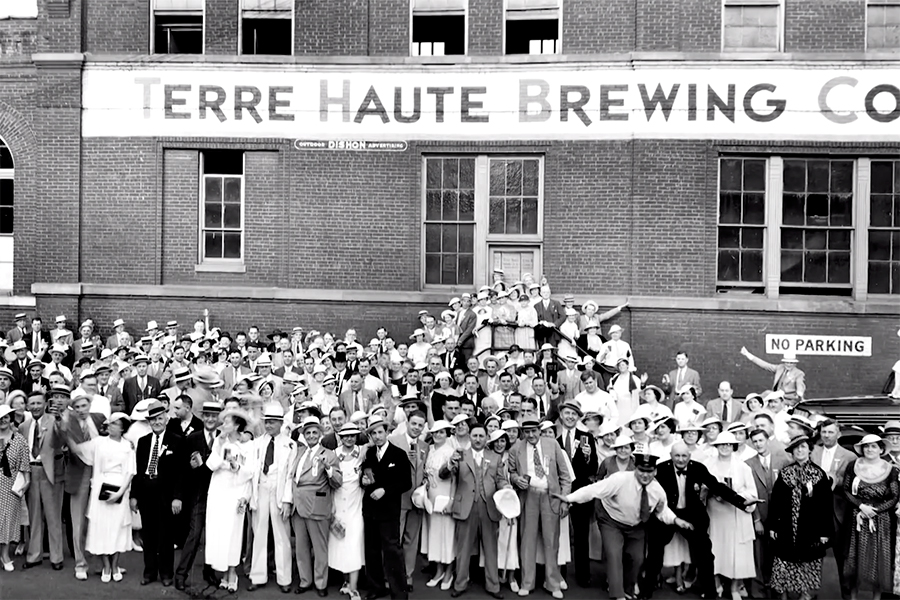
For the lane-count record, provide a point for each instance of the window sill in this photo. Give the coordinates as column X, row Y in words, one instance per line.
column 237, row 267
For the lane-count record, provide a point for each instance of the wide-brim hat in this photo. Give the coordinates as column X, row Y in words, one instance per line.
column 545, row 347
column 155, row 409
column 589, row 303
column 116, row 416
column 310, row 422
column 34, row 363
column 5, row 410
column 622, row 441
column 207, row 376
column 669, row 422
column 685, row 427
column 643, row 413
column 573, row 405
column 441, row 425
column 738, row 426
column 524, row 368
column 507, row 503
column 796, row 441
column 312, row 407
column 789, row 357
column 496, row 435
column 803, row 423
column 749, row 397
column 713, row 420
column 607, row 427
column 870, row 439
column 726, row 437
column 273, row 410
column 510, row 424
column 417, row 332
column 660, row 395
column 20, row 345
column 614, row 329
column 181, row 374
column 418, row 497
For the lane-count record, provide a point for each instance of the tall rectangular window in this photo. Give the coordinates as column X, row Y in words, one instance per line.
column 222, row 205
column 817, row 225
column 177, row 27
column 752, row 25
column 742, row 221
column 533, row 26
column 438, row 27
column 479, row 209
column 883, row 25
column 267, row 27
column 884, row 228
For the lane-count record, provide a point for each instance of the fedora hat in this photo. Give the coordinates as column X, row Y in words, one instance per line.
column 155, row 409
column 211, row 406
column 377, row 421
column 573, row 405
column 309, row 422
column 273, row 410
column 789, row 357
column 349, row 429
column 207, row 376
column 419, row 495
column 507, row 503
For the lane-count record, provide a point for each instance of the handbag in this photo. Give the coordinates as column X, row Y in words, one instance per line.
column 107, row 490
column 18, row 486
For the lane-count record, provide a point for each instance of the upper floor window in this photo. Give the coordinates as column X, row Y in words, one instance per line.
column 884, row 228
column 7, row 191
column 222, row 205
column 438, row 27
column 267, row 27
column 742, row 221
column 177, row 26
column 533, row 26
column 753, row 25
column 883, row 25
column 18, row 9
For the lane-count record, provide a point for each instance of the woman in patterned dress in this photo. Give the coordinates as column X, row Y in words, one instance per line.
column 801, row 523
column 871, row 487
column 13, row 460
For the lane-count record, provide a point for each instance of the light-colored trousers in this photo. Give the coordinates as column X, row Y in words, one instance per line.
column 269, row 509
column 311, row 534
column 45, row 501
column 78, row 504
column 410, row 530
column 537, row 517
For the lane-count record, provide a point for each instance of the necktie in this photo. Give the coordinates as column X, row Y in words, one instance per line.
column 725, row 412
column 681, row 472
column 645, row 505
column 36, row 442
column 356, row 401
column 270, row 456
column 154, row 458
column 538, row 465
column 209, row 440
column 679, row 379
column 568, row 443
column 478, row 458
column 86, row 430
column 36, row 346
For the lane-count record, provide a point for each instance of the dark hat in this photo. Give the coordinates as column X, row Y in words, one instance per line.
column 796, row 441
column 35, row 363
column 340, row 357
column 186, row 338
column 101, row 368
column 645, row 462
column 277, row 332
column 86, row 360
column 254, row 345
column 524, row 368
column 155, row 409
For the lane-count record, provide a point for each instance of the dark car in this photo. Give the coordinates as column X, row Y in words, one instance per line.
column 857, row 415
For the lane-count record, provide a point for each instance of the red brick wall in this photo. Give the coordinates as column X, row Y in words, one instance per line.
column 389, row 28
column 115, row 26
column 824, row 26
column 595, row 28
column 486, row 27
column 221, row 27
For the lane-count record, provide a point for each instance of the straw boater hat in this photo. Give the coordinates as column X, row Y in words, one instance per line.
column 622, row 441
column 726, row 437
column 870, row 439
column 441, row 425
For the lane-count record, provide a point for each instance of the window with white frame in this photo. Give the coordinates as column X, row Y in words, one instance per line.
column 533, row 26
column 177, row 27
column 438, row 27
column 883, row 25
column 267, row 27
column 7, row 214
column 222, row 206
column 475, row 207
column 742, row 221
column 752, row 25
column 884, row 228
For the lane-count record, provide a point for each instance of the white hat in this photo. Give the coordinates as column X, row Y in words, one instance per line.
column 116, row 416
column 789, row 357
column 609, row 426
column 614, row 329
column 151, row 325
column 358, row 417
column 460, row 418
column 273, row 410
column 118, row 322
column 724, row 438
column 440, row 424
column 419, row 331
column 453, row 301
column 507, row 503
column 61, row 319
column 57, row 347
column 139, row 412
column 510, row 424
column 622, row 441
column 5, row 409
column 571, row 312
column 419, row 495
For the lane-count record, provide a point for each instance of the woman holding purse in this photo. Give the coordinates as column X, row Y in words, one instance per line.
column 345, row 540
column 109, row 513
column 15, row 475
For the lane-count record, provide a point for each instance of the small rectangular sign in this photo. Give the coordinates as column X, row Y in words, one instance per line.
column 354, row 145
column 820, row 345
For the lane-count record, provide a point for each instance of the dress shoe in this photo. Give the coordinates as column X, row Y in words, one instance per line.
column 497, row 595
column 166, row 582
column 179, row 585
column 302, row 589
column 31, row 565
column 285, row 589
column 252, row 587
column 322, row 592
column 409, row 588
column 210, row 577
column 147, row 580
column 57, row 566
column 376, row 594
column 457, row 593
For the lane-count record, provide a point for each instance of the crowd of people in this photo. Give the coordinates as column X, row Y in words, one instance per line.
column 506, row 436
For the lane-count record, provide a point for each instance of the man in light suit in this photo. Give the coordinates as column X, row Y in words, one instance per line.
column 466, row 321
column 45, row 494
column 788, row 377
column 766, row 466
column 539, row 469
column 308, row 499
column 477, row 473
column 678, row 377
column 20, row 330
column 725, row 407
column 833, row 459
column 120, row 337
column 411, row 442
column 550, row 314
column 355, row 397
column 141, row 386
column 235, row 370
column 274, row 453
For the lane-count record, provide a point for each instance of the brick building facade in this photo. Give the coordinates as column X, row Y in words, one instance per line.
column 693, row 220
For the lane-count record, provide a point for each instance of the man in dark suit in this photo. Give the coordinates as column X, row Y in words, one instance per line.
column 550, row 314
column 580, row 448
column 452, row 357
column 140, row 386
column 35, row 382
column 37, row 339
column 466, row 320
column 111, row 392
column 385, row 477
column 410, row 441
column 198, row 446
column 683, row 481
column 765, row 465
column 19, row 366
column 680, row 376
column 185, row 422
column 156, row 491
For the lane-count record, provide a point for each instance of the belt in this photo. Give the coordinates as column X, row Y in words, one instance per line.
column 37, row 463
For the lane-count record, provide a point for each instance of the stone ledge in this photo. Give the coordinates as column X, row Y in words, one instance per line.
column 845, row 306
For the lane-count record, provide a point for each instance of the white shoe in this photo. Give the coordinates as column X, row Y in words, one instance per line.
column 105, row 577
column 345, row 589
column 117, row 576
column 447, row 584
column 513, row 585
column 523, row 593
column 81, row 575
column 434, row 582
column 136, row 547
column 9, row 566
column 563, row 585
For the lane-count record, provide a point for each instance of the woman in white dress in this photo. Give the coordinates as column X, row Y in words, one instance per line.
column 526, row 320
column 689, row 411
column 232, row 462
column 569, row 329
column 345, row 552
column 483, row 335
column 508, row 531
column 664, row 431
column 109, row 509
column 652, row 398
column 739, row 431
column 731, row 529
column 438, row 527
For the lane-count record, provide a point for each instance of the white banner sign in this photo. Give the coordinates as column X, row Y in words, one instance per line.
column 499, row 102
column 821, row 345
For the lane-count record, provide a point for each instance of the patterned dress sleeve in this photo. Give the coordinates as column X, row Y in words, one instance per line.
column 21, row 453
column 893, row 493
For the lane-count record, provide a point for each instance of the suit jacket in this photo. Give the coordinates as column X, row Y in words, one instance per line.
column 554, row 312
column 765, row 481
column 465, row 473
column 585, row 467
column 842, row 458
column 280, row 371
column 112, row 342
column 158, row 370
column 417, row 457
column 29, row 385
column 717, row 407
column 44, row 336
column 20, row 374
column 116, row 400
column 174, row 426
column 690, row 377
column 311, row 490
column 132, row 394
column 697, row 476
column 15, row 334
column 51, row 444
column 285, row 450
column 368, row 397
column 558, row 479
column 74, row 435
column 572, row 383
column 196, row 481
column 393, row 474
column 452, row 360
column 170, row 467
column 467, row 329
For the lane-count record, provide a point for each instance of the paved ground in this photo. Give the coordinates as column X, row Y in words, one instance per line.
column 45, row 584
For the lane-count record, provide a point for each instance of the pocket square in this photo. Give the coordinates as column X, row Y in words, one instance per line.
column 391, row 465
column 168, row 452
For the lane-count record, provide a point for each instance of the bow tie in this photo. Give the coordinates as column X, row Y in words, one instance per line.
column 681, row 472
